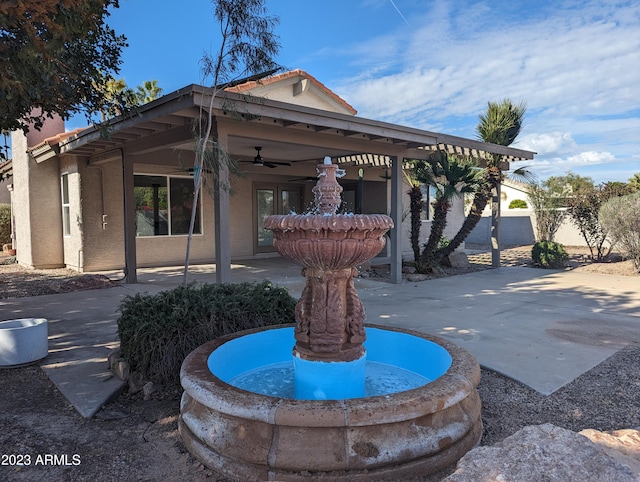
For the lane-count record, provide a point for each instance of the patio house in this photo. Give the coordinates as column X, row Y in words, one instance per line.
column 94, row 201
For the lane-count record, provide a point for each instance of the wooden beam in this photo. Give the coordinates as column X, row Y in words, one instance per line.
column 161, row 140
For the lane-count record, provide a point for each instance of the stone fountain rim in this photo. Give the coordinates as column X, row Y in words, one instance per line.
column 334, row 222
column 454, row 385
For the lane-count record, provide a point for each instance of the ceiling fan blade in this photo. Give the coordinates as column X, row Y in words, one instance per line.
column 268, row 164
column 278, row 163
column 304, row 179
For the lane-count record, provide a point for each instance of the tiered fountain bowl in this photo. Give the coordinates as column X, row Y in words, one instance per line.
column 345, row 402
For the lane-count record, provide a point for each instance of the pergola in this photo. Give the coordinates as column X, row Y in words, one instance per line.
column 290, row 133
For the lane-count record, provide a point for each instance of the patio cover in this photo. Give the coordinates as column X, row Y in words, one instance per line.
column 291, row 133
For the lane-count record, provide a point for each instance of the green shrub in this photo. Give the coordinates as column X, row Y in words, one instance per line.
column 5, row 224
column 157, row 332
column 548, row 254
column 443, row 242
column 518, row 204
column 620, row 217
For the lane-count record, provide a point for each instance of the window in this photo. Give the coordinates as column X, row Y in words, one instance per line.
column 163, row 206
column 66, row 212
column 428, row 196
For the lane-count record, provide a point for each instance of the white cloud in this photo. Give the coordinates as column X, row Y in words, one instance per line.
column 547, row 143
column 544, row 166
column 574, row 64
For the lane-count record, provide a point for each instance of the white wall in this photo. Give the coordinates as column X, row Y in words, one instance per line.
column 37, row 205
column 517, row 228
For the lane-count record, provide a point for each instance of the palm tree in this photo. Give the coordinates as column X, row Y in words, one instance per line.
column 452, row 177
column 415, row 205
column 148, row 91
column 501, row 124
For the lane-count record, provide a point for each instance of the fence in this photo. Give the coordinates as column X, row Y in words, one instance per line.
column 517, row 228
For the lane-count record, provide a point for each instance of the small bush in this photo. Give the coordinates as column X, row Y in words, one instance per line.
column 620, row 216
column 157, row 332
column 443, row 242
column 548, row 254
column 518, row 204
column 5, row 224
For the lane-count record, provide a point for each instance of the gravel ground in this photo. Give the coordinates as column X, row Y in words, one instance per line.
column 136, row 439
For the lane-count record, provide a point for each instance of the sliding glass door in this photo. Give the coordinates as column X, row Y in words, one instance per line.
column 273, row 199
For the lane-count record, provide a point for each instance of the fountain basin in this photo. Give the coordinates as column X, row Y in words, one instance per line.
column 23, row 341
column 251, row 436
column 328, row 242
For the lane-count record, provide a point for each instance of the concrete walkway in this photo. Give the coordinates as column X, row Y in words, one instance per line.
column 543, row 328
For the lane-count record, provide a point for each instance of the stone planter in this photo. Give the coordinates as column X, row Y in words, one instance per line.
column 23, row 341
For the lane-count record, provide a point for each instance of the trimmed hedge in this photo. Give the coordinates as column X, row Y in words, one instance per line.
column 157, row 332
column 548, row 254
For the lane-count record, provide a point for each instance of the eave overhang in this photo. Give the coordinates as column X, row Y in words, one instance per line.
column 171, row 116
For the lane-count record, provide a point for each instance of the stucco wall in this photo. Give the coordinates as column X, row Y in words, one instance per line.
column 37, row 205
column 307, row 94
column 517, row 228
column 241, row 215
column 5, row 195
column 72, row 243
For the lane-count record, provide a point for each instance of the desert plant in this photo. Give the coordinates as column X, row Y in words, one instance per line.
column 415, row 205
column 547, row 207
column 500, row 124
column 5, row 224
column 584, row 206
column 452, row 176
column 548, row 254
column 621, row 217
column 158, row 331
column 518, row 204
column 248, row 47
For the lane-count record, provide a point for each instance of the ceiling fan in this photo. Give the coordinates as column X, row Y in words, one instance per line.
column 259, row 161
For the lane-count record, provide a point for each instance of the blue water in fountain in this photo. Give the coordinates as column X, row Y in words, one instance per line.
column 262, row 363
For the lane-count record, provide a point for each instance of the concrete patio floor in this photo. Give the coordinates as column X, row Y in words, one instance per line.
column 543, row 328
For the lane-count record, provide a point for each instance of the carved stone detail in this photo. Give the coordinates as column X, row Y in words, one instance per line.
column 329, row 314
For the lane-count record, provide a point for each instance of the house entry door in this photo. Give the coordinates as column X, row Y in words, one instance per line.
column 273, row 199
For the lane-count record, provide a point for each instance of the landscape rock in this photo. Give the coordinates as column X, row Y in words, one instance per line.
column 417, row 277
column 625, row 442
column 459, row 259
column 147, row 390
column 366, row 266
column 136, row 382
column 550, row 453
column 113, row 357
column 121, row 369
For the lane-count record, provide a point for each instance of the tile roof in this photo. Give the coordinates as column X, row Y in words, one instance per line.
column 57, row 139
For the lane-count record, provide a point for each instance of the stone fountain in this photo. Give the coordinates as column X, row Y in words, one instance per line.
column 347, row 402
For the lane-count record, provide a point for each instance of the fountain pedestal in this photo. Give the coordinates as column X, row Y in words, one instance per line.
column 329, row 314
column 330, row 317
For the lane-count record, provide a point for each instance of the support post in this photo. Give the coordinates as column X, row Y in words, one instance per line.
column 130, row 262
column 396, row 215
column 221, row 206
column 495, row 227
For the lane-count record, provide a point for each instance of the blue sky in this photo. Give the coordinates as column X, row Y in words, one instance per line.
column 435, row 65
